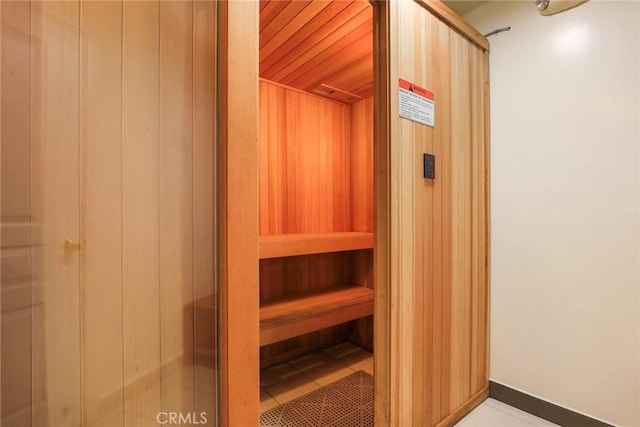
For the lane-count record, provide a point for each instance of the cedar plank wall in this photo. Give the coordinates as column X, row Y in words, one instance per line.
column 362, row 205
column 439, row 247
column 304, row 162
column 316, row 175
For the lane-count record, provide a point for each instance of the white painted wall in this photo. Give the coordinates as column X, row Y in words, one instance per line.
column 565, row 127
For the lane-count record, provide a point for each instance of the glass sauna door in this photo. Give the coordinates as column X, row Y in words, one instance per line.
column 108, row 291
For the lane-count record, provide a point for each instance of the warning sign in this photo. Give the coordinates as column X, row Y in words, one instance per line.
column 416, row 103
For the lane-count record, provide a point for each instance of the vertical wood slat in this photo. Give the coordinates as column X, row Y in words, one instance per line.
column 304, row 162
column 55, row 201
column 443, row 291
column 176, row 192
column 117, row 76
column 140, row 213
column 448, row 279
column 361, row 157
column 16, row 312
column 101, row 221
column 204, row 190
column 308, row 152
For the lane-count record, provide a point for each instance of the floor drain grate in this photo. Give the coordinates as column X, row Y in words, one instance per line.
column 345, row 403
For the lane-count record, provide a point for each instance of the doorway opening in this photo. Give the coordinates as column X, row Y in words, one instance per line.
column 316, row 199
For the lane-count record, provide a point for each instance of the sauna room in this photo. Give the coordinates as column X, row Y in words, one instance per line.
column 315, row 196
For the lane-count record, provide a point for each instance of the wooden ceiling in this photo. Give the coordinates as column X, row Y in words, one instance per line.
column 319, row 46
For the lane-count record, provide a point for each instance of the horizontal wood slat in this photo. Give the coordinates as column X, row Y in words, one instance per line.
column 296, row 316
column 284, row 245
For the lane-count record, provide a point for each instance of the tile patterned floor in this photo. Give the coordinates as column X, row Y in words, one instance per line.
column 493, row 413
column 282, row 383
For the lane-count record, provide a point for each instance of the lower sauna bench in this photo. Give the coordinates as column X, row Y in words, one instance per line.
column 292, row 317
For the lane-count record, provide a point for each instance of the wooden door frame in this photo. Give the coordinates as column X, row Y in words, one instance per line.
column 237, row 231
column 238, row 228
column 382, row 213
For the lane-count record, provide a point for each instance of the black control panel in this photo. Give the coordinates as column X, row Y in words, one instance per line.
column 429, row 166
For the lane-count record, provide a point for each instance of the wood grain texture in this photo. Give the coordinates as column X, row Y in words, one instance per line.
column 239, row 225
column 439, row 333
column 362, row 165
column 284, row 245
column 307, row 151
column 306, row 43
column 91, row 85
column 176, row 257
column 283, row 277
column 55, row 202
column 17, row 311
column 304, row 163
column 140, row 198
column 384, row 374
column 300, row 315
column 205, row 186
column 100, row 192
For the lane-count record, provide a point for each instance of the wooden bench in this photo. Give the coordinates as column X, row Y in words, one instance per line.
column 284, row 245
column 289, row 318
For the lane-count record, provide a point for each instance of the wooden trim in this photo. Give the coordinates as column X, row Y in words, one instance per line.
column 465, row 408
column 283, row 245
column 239, row 305
column 541, row 408
column 442, row 12
column 382, row 224
column 487, row 204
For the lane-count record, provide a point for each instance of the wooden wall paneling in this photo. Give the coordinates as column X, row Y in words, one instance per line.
column 442, row 226
column 425, row 303
column 281, row 277
column 140, row 213
column 476, row 216
column 339, row 194
column 362, row 165
column 461, row 215
column 204, row 190
column 277, row 132
column 304, row 162
column 176, row 196
column 101, row 220
column 361, row 179
column 55, row 201
column 263, row 158
column 403, row 227
column 441, row 296
column 486, row 303
column 480, row 226
column 15, row 283
column 239, row 225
